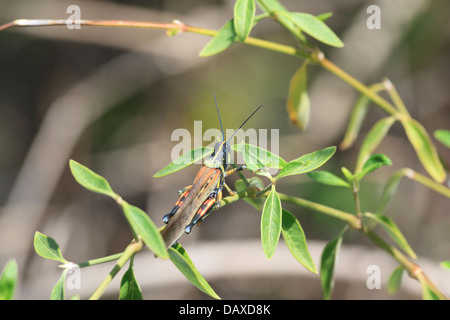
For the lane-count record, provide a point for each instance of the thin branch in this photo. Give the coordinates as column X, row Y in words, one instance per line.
column 129, row 252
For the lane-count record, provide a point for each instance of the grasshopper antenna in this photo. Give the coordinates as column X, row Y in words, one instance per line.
column 243, row 123
column 220, row 120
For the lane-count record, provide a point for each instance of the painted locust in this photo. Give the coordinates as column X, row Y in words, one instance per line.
column 196, row 201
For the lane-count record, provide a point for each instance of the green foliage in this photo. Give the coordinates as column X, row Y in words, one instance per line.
column 183, row 262
column 372, row 140
column 257, row 158
column 295, row 239
column 90, row 180
column 395, row 279
column 373, row 163
column 328, row 178
column 47, row 247
column 445, row 265
column 221, row 41
column 314, row 27
column 328, row 263
column 146, row 229
column 275, row 220
column 429, row 293
column 244, row 13
column 425, row 149
column 141, row 224
column 271, row 223
column 59, row 290
column 359, row 112
column 389, row 225
column 238, row 28
column 307, row 162
column 129, row 287
column 298, row 103
column 255, row 185
column 298, row 23
column 8, row 280
column 443, row 136
column 184, row 161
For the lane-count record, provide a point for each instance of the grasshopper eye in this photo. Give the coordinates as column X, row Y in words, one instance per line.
column 217, row 147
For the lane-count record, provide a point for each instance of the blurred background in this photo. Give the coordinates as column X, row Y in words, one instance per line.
column 110, row 99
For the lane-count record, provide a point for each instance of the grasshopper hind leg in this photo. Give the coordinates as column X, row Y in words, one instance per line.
column 183, row 194
column 210, row 203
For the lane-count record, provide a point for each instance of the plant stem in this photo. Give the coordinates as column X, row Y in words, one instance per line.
column 414, row 270
column 395, row 97
column 230, row 199
column 92, row 262
column 429, row 183
column 179, row 26
column 394, row 180
column 344, row 76
column 132, row 248
column 357, row 202
column 92, row 23
column 351, row 219
column 263, row 191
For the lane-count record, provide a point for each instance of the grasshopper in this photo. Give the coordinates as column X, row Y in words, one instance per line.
column 196, row 201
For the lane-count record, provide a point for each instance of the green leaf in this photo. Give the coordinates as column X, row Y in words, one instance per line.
column 256, row 185
column 443, row 136
column 221, row 41
column 244, row 13
column 8, row 280
column 324, row 16
column 58, row 292
column 307, row 162
column 328, row 262
column 373, row 163
column 146, row 229
column 347, row 174
column 428, row 293
column 182, row 261
column 445, row 264
column 395, row 279
column 389, row 225
column 389, row 191
column 295, row 239
column 372, row 140
column 277, row 11
column 314, row 27
column 256, row 157
column 184, row 161
column 47, row 247
column 357, row 117
column 129, row 288
column 90, row 180
column 271, row 223
column 298, row 103
column 327, row 178
column 424, row 148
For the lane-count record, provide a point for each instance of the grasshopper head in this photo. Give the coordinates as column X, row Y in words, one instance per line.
column 221, row 156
